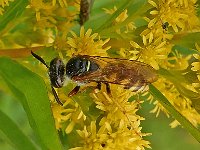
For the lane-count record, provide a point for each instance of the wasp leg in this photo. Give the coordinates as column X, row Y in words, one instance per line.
column 98, row 85
column 56, row 96
column 97, row 88
column 74, row 91
column 108, row 88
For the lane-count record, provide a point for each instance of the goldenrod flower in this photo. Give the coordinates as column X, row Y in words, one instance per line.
column 122, row 138
column 181, row 103
column 87, row 43
column 4, row 3
column 196, row 66
column 68, row 115
column 153, row 52
column 119, row 126
column 183, row 13
column 121, row 18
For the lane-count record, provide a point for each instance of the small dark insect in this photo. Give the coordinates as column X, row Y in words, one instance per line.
column 165, row 25
column 132, row 75
column 85, row 8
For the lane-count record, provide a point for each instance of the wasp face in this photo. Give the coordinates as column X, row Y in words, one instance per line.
column 78, row 66
column 57, row 72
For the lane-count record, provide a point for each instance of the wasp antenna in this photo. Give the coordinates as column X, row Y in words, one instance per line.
column 39, row 58
column 56, row 96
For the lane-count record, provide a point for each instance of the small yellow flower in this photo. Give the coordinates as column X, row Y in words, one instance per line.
column 67, row 115
column 1, row 11
column 180, row 62
column 196, row 66
column 93, row 139
column 183, row 13
column 121, row 18
column 86, row 44
column 4, row 3
column 152, row 52
column 119, row 124
column 181, row 103
column 61, row 2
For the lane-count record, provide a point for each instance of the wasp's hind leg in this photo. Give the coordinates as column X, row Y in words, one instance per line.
column 74, row 91
column 108, row 88
column 97, row 88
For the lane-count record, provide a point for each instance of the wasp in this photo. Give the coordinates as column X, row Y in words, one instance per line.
column 82, row 69
column 85, row 8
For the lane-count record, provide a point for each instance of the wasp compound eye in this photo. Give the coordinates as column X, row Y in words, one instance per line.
column 57, row 72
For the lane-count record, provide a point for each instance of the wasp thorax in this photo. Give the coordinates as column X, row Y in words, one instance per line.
column 77, row 66
column 57, row 72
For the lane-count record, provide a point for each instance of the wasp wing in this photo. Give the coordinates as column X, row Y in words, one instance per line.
column 124, row 72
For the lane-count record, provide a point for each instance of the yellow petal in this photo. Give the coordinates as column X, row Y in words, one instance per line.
column 134, row 44
column 152, row 3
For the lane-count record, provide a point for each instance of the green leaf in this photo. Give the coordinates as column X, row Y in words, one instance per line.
column 18, row 139
column 30, row 89
column 168, row 106
column 187, row 39
column 13, row 11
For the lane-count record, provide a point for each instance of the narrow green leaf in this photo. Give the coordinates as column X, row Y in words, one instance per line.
column 30, row 89
column 18, row 139
column 181, row 119
column 187, row 39
column 13, row 11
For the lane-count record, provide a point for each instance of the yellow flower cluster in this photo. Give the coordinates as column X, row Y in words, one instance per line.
column 86, row 44
column 4, row 3
column 118, row 127
column 121, row 18
column 196, row 67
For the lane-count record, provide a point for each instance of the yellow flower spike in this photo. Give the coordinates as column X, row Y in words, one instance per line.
column 80, row 115
column 121, row 124
column 174, row 124
column 93, row 129
column 151, row 37
column 152, row 22
column 108, row 127
column 154, row 12
column 87, row 44
column 70, row 127
column 119, row 19
column 161, row 45
column 144, row 39
column 146, row 19
column 195, row 66
column 152, row 3
column 134, row 44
